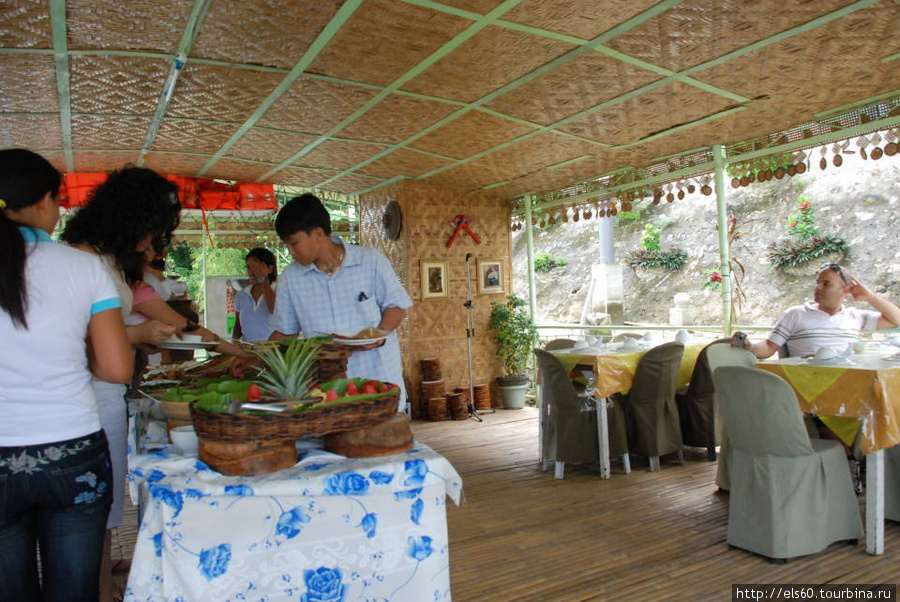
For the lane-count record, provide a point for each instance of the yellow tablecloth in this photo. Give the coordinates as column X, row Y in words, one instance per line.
column 614, row 372
column 869, row 391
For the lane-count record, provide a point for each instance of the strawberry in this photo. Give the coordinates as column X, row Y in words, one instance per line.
column 331, row 395
column 351, row 388
column 254, row 393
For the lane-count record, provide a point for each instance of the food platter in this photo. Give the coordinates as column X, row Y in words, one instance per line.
column 349, row 340
column 367, row 336
column 188, row 345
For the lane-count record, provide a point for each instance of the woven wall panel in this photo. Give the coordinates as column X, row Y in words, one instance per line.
column 465, row 177
column 97, row 162
column 299, row 176
column 220, row 93
column 696, row 31
column 25, row 24
column 396, row 118
column 655, row 111
column 116, row 85
column 267, row 145
column 142, row 25
column 274, row 33
column 353, row 183
column 56, row 159
column 232, row 169
column 176, row 164
column 205, row 137
column 384, row 39
column 37, row 131
column 90, row 132
column 313, row 106
column 472, row 133
column 336, row 154
column 580, row 84
column 403, row 162
column 35, row 89
column 484, row 63
column 585, row 19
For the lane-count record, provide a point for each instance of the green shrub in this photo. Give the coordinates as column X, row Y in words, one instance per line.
column 650, row 238
column 794, row 252
column 544, row 262
column 624, row 218
column 644, row 259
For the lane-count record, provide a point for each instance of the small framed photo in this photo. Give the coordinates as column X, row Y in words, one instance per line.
column 434, row 279
column 490, row 276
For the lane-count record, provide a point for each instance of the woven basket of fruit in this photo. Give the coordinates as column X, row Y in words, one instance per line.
column 286, row 403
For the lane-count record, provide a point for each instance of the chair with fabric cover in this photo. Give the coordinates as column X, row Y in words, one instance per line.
column 790, row 495
column 696, row 409
column 559, row 344
column 654, row 429
column 569, row 419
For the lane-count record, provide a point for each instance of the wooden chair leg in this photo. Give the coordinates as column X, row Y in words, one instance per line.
column 654, row 463
column 560, row 469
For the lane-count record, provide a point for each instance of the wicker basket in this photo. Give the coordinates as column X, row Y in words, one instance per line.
column 331, row 418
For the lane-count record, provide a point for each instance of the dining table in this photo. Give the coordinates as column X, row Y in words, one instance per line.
column 612, row 368
column 862, row 387
column 327, row 528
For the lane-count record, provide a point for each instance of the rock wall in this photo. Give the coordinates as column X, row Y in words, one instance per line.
column 858, row 201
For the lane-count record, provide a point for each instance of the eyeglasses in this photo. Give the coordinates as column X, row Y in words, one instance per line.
column 837, row 270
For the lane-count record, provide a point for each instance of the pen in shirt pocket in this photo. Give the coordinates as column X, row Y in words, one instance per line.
column 362, row 296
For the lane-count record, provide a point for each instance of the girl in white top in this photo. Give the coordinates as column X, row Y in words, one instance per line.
column 255, row 304
column 59, row 320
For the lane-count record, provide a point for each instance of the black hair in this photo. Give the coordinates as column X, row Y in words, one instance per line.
column 267, row 257
column 158, row 264
column 129, row 205
column 25, row 179
column 305, row 212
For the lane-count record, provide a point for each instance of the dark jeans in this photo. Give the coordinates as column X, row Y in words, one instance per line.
column 57, row 494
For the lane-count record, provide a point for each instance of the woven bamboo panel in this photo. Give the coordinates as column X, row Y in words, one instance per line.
column 603, row 161
column 353, row 183
column 91, row 132
column 584, row 19
column 580, row 84
column 696, row 31
column 396, row 118
column 339, row 154
column 40, row 132
column 25, row 24
column 313, row 106
column 261, row 144
column 205, row 137
column 480, row 65
column 384, row 39
column 466, row 176
column 472, row 133
column 57, row 160
column 536, row 152
column 97, row 162
column 480, row 7
column 403, row 162
column 220, row 93
column 116, row 85
column 177, row 164
column 300, row 176
column 660, row 109
column 275, row 33
column 35, row 81
column 234, row 169
column 145, row 25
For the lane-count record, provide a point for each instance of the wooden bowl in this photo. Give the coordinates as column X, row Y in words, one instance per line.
column 178, row 410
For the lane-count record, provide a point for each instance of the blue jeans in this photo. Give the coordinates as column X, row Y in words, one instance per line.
column 58, row 494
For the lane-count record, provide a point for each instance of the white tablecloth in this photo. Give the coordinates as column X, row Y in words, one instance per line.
column 329, row 528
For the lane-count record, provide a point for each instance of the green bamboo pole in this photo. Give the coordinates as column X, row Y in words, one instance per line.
column 529, row 246
column 718, row 152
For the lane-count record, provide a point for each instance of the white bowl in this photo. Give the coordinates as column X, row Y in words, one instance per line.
column 580, row 345
column 630, row 344
column 826, row 353
column 185, row 440
column 894, row 339
column 860, row 347
column 192, row 338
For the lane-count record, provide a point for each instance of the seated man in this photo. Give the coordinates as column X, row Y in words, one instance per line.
column 826, row 322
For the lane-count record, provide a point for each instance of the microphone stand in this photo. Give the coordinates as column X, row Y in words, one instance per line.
column 470, row 334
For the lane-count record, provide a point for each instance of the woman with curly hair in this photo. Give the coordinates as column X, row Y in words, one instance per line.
column 59, row 321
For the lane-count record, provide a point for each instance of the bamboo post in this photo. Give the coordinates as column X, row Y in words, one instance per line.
column 718, row 152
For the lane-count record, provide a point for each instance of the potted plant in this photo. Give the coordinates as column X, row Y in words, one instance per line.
column 515, row 335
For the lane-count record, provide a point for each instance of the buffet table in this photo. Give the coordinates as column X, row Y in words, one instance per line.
column 328, row 528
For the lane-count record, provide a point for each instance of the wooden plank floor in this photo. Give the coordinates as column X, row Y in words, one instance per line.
column 521, row 534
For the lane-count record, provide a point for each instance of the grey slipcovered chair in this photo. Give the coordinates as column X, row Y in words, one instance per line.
column 696, row 409
column 568, row 422
column 790, row 495
column 559, row 344
column 654, row 429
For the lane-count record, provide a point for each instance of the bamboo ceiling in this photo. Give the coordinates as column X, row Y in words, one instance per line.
column 509, row 96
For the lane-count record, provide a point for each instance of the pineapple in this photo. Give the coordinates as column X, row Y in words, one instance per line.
column 289, row 369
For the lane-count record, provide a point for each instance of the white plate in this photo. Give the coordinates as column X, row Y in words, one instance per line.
column 345, row 340
column 835, row 361
column 187, row 345
column 159, row 384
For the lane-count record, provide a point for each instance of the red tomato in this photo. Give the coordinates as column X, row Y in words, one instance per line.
column 351, row 388
column 331, row 395
column 384, row 388
column 254, row 393
column 369, row 388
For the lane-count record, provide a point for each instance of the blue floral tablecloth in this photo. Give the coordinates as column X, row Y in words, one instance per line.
column 329, row 528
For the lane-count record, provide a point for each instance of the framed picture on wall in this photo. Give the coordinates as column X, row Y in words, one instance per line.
column 434, row 278
column 490, row 276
